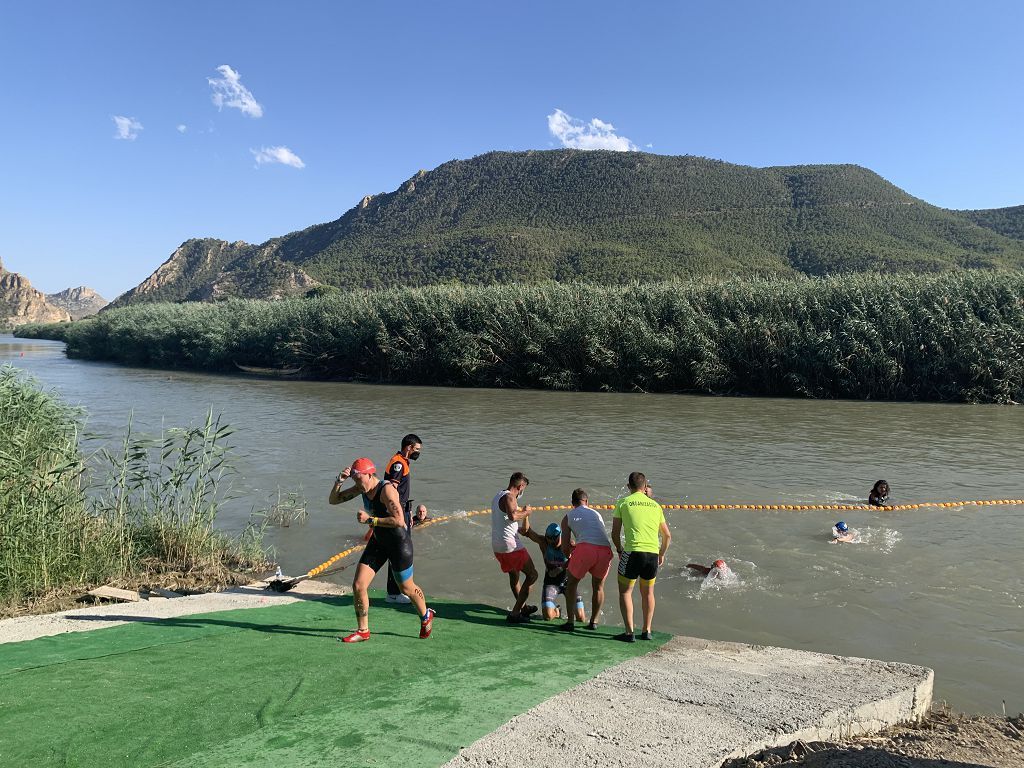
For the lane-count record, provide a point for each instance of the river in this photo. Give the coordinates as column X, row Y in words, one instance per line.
column 939, row 587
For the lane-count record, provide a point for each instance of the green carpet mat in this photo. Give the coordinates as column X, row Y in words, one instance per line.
column 273, row 687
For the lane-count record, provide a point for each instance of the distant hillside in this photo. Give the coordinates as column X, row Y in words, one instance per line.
column 1005, row 221
column 20, row 303
column 78, row 302
column 601, row 217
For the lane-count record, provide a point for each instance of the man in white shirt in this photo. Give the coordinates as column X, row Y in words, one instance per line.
column 592, row 553
column 508, row 547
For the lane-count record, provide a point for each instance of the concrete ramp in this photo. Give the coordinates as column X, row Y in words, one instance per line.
column 694, row 703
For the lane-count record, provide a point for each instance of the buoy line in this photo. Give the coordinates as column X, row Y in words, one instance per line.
column 325, row 567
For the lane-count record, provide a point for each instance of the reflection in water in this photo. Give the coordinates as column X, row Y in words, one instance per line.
column 909, row 592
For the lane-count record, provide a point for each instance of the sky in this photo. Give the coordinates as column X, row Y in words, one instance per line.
column 130, row 127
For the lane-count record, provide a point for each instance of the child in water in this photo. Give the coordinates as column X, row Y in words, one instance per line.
column 879, row 494
column 842, row 534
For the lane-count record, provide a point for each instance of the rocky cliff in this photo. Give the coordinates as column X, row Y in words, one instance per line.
column 78, row 302
column 20, row 303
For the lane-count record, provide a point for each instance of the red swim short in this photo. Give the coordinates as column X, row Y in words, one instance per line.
column 513, row 561
column 590, row 558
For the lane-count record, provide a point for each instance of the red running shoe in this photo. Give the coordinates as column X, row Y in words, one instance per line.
column 359, row 636
column 427, row 624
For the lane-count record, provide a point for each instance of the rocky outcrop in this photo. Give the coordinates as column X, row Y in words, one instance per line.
column 20, row 303
column 78, row 302
column 187, row 274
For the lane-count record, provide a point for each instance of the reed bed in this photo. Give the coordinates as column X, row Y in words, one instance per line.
column 949, row 337
column 146, row 509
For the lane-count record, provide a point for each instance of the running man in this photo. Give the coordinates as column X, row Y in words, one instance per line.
column 390, row 543
column 591, row 554
column 508, row 547
column 644, row 521
column 555, row 564
column 398, row 474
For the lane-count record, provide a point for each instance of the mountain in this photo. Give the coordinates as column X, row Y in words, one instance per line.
column 78, row 302
column 599, row 216
column 20, row 303
column 1005, row 221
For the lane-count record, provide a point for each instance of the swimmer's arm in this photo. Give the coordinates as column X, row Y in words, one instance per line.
column 617, row 534
column 394, row 518
column 566, row 537
column 338, row 495
column 666, row 539
column 531, row 534
column 701, row 569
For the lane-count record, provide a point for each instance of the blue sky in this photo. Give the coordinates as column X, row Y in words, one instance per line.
column 928, row 94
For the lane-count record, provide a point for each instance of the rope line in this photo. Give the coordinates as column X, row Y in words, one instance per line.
column 320, row 569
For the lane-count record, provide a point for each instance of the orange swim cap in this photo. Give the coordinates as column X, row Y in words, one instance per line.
column 364, row 466
column 720, row 564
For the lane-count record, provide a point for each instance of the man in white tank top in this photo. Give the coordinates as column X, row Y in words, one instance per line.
column 508, row 546
column 591, row 554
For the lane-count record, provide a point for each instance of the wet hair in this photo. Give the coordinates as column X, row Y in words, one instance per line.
column 637, row 481
column 410, row 439
column 517, row 478
column 579, row 496
column 876, row 488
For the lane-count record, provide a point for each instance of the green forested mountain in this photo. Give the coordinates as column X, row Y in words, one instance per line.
column 601, row 216
column 1005, row 221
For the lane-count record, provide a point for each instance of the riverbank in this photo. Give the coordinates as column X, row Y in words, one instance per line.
column 943, row 739
column 174, row 683
column 142, row 514
column 953, row 337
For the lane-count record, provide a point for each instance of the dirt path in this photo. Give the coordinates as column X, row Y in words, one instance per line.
column 945, row 739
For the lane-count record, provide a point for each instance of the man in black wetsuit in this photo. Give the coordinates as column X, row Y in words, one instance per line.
column 390, row 543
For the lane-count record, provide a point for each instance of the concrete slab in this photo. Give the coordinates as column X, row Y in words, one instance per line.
column 695, row 703
column 23, row 628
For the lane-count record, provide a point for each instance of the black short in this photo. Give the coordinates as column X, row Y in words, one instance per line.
column 638, row 565
column 390, row 546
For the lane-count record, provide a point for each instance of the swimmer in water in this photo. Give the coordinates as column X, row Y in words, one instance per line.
column 879, row 494
column 719, row 569
column 842, row 533
column 555, row 570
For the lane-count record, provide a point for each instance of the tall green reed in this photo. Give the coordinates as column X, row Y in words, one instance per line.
column 954, row 336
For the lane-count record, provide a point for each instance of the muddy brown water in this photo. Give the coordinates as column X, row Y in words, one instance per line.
column 939, row 587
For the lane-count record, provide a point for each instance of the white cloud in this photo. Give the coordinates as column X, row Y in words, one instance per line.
column 597, row 134
column 127, row 127
column 182, row 128
column 281, row 155
column 228, row 91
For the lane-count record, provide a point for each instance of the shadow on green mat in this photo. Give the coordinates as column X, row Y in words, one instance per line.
column 272, row 686
column 474, row 613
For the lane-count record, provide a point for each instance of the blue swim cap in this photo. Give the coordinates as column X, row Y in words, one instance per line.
column 553, row 530
column 841, row 526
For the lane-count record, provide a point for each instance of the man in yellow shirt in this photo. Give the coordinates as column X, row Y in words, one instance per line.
column 643, row 520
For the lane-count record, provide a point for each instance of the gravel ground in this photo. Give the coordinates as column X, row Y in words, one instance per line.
column 945, row 739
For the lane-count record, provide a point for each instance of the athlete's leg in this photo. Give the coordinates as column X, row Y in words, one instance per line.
column 626, row 603
column 393, row 586
column 571, row 583
column 360, row 597
column 647, row 600
column 414, row 593
column 530, row 574
column 513, row 582
column 597, row 599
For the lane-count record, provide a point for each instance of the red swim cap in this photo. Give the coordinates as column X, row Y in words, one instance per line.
column 364, row 467
column 720, row 564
